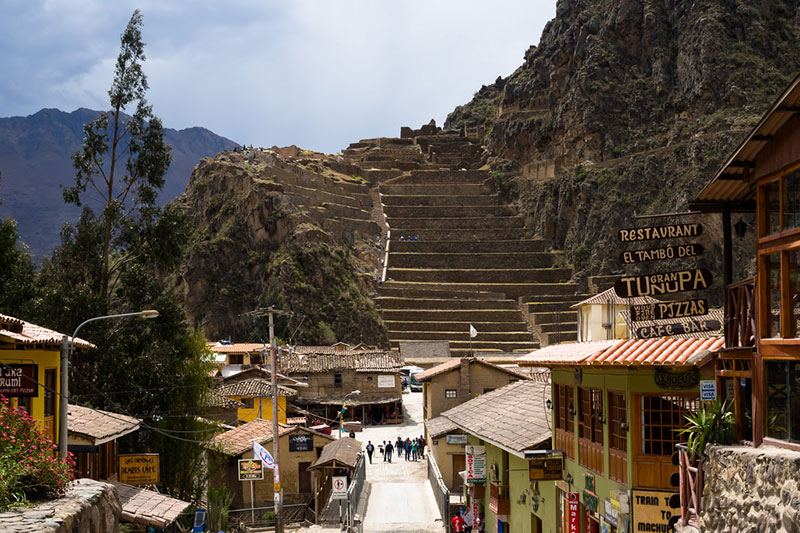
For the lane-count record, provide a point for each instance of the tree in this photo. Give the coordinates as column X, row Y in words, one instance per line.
column 16, row 271
column 127, row 195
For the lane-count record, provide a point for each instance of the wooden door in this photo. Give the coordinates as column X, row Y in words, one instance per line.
column 304, row 478
column 459, row 465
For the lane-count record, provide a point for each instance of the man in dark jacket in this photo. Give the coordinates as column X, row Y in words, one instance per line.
column 370, row 450
column 389, row 449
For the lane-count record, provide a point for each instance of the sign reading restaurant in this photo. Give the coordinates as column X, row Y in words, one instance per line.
column 673, row 231
column 696, row 279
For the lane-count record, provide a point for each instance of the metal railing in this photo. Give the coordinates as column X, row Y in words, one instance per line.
column 265, row 516
column 691, row 488
column 440, row 490
column 350, row 522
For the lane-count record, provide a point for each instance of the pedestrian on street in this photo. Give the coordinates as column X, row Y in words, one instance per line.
column 389, row 449
column 408, row 449
column 370, row 450
column 398, row 446
column 458, row 523
column 383, row 451
column 414, row 447
column 422, row 447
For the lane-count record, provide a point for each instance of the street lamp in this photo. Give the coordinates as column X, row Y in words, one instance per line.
column 341, row 413
column 67, row 350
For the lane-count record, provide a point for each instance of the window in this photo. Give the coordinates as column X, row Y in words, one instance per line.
column 236, row 359
column 661, row 416
column 450, row 393
column 564, row 408
column 337, row 380
column 590, row 403
column 781, row 203
column 618, row 437
column 248, row 402
column 783, row 400
column 49, row 392
column 25, row 403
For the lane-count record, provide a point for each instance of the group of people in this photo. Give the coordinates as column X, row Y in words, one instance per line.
column 410, row 449
column 464, row 522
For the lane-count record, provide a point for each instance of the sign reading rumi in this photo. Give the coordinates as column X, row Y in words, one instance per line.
column 667, row 310
column 673, row 231
column 19, row 380
column 138, row 469
column 661, row 254
column 697, row 279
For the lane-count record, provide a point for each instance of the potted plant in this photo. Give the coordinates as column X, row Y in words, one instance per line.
column 713, row 423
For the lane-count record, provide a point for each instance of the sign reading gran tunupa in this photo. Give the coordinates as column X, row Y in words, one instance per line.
column 697, row 279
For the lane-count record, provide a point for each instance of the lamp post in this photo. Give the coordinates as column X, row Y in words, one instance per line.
column 341, row 413
column 67, row 349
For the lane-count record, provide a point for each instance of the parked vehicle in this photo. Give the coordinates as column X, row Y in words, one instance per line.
column 415, row 385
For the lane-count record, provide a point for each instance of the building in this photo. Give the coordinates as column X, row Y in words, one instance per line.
column 459, row 380
column 299, row 446
column 616, row 408
column 760, row 364
column 30, row 357
column 599, row 316
column 331, row 378
column 255, row 395
column 508, row 426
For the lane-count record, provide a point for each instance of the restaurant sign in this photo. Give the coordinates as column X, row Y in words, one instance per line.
column 250, row 470
column 546, row 468
column 301, row 442
column 665, row 253
column 19, row 380
column 476, row 463
column 672, row 231
column 696, row 279
column 138, row 468
column 667, row 310
column 677, row 328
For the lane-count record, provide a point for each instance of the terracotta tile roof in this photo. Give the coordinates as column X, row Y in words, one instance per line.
column 310, row 363
column 610, row 297
column 238, row 440
column 449, row 366
column 513, row 417
column 339, row 347
column 239, row 347
column 632, row 352
column 147, row 507
column 252, row 388
column 713, row 314
column 20, row 332
column 342, row 451
column 215, row 399
column 439, row 426
column 99, row 426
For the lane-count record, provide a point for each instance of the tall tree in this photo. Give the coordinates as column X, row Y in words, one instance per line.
column 16, row 271
column 123, row 160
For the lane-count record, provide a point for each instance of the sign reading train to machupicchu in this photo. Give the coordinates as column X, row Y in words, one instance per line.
column 680, row 251
column 672, row 231
column 696, row 279
column 678, row 328
column 667, row 310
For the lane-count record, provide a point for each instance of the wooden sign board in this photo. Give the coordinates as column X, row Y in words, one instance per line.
column 672, row 231
column 19, row 380
column 138, row 468
column 665, row 253
column 669, row 310
column 546, row 468
column 677, row 328
column 652, row 510
column 301, row 442
column 250, row 470
column 697, row 279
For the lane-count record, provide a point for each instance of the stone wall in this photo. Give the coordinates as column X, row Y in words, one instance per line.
column 751, row 490
column 88, row 507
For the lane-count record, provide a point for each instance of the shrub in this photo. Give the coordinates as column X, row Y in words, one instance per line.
column 29, row 466
column 713, row 423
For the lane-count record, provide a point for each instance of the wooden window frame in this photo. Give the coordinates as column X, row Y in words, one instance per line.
column 617, row 411
column 450, row 394
column 564, row 421
column 591, row 452
column 665, row 429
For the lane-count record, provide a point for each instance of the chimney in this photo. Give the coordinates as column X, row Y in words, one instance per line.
column 464, row 381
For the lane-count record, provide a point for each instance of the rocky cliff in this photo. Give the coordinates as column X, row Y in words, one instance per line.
column 628, row 106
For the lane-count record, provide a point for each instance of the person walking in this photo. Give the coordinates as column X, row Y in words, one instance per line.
column 370, row 450
column 408, row 449
column 458, row 523
column 383, row 451
column 414, row 447
column 421, row 447
column 389, row 449
column 398, row 446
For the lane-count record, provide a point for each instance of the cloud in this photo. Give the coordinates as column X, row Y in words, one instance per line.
column 317, row 74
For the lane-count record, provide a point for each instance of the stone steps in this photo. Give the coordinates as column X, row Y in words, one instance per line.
column 550, row 307
column 495, row 222
column 464, row 347
column 553, row 317
column 440, row 211
column 416, row 200
column 560, row 327
column 450, row 325
column 510, row 336
column 480, row 276
column 459, row 234
column 390, row 290
column 439, row 177
column 516, row 260
column 390, row 302
column 510, row 290
column 442, row 315
column 464, row 189
column 447, row 247
column 556, row 338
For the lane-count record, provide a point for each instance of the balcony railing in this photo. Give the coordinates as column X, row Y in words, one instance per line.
column 691, row 491
column 498, row 498
column 741, row 314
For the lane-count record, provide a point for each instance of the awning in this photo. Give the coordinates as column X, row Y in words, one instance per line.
column 147, row 507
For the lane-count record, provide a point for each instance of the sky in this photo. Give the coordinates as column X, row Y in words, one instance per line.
column 318, row 74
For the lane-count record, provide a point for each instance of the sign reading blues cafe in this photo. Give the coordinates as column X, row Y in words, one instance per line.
column 666, row 283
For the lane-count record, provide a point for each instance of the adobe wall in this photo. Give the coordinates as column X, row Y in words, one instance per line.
column 87, row 507
column 750, row 490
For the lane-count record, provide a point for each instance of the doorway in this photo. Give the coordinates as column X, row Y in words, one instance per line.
column 459, row 465
column 304, row 478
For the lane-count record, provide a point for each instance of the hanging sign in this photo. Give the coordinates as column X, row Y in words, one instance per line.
column 456, row 438
column 19, row 380
column 680, row 251
column 250, row 470
column 676, row 380
column 138, row 469
column 573, row 516
column 476, row 464
column 301, row 442
column 697, row 279
column 546, row 468
column 667, row 310
column 672, row 231
column 677, row 328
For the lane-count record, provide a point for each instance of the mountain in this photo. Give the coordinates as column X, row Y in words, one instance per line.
column 35, row 160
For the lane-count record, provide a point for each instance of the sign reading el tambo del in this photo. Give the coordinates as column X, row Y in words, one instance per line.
column 138, row 468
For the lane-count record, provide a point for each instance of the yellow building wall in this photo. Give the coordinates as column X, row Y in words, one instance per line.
column 594, row 316
column 46, row 359
column 262, row 408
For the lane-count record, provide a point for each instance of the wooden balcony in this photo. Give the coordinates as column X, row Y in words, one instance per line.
column 476, row 492
column 566, row 441
column 498, row 498
column 741, row 314
column 590, row 455
column 691, row 489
